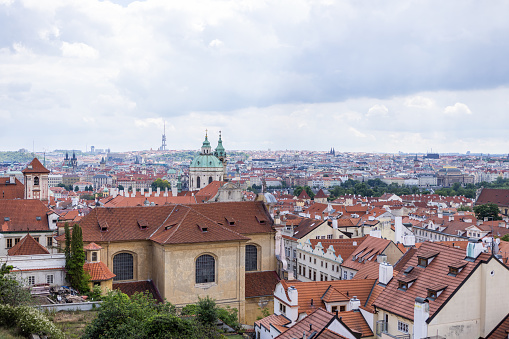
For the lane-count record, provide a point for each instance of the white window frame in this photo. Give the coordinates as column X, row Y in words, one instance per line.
column 31, row 280
column 50, row 279
column 403, row 327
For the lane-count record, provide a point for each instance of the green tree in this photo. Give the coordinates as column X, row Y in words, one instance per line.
column 75, row 272
column 464, row 208
column 505, row 237
column 11, row 291
column 489, row 210
column 76, row 188
column 206, row 312
column 162, row 184
column 298, row 190
column 67, row 248
column 120, row 187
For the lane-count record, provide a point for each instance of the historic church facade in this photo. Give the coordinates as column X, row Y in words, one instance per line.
column 208, row 166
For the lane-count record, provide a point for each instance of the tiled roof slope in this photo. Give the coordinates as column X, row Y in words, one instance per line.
column 317, row 290
column 496, row 196
column 319, row 319
column 177, row 223
column 35, row 167
column 139, row 200
column 27, row 246
column 98, row 271
column 401, row 302
column 501, row 331
column 11, row 191
column 131, row 288
column 328, row 334
column 356, row 322
column 277, row 321
column 305, row 226
column 260, row 283
column 22, row 215
column 366, row 252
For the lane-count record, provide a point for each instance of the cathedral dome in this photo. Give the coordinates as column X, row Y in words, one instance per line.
column 206, row 161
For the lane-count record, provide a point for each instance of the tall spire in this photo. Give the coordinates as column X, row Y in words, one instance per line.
column 205, row 148
column 163, row 144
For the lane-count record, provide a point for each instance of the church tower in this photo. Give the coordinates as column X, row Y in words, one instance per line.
column 208, row 166
column 36, row 181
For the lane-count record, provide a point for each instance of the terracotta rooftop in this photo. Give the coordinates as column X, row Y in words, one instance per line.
column 366, row 252
column 320, row 194
column 171, row 224
column 23, row 215
column 27, row 246
column 98, row 271
column 11, row 191
column 356, row 322
column 319, row 319
column 278, row 321
column 316, row 291
column 260, row 283
column 92, row 247
column 35, row 167
column 496, row 196
column 303, row 195
column 401, row 302
column 131, row 288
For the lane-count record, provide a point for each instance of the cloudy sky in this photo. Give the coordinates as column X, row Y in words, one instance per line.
column 368, row 75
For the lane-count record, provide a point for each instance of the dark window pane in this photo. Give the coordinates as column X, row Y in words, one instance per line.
column 205, row 269
column 123, row 266
column 251, row 258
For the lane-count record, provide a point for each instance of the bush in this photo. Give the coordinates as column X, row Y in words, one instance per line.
column 230, row 317
column 29, row 321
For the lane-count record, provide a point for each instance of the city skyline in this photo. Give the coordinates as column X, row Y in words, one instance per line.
column 377, row 77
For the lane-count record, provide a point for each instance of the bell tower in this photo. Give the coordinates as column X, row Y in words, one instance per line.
column 36, row 181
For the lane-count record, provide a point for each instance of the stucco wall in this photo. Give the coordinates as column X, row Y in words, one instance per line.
column 253, row 310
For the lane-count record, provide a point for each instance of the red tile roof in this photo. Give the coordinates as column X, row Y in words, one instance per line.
column 366, row 252
column 260, row 283
column 318, row 319
column 27, row 246
column 401, row 302
column 278, row 321
column 22, row 215
column 496, row 196
column 356, row 322
column 320, row 194
column 501, row 331
column 316, row 290
column 11, row 191
column 35, row 167
column 172, row 224
column 92, row 247
column 98, row 271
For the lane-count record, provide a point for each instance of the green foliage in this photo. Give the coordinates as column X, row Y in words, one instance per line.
column 207, row 311
column 297, row 191
column 95, row 293
column 67, row 249
column 162, row 184
column 120, row 187
column 120, row 316
column 489, row 210
column 76, row 188
column 75, row 272
column 29, row 321
column 21, row 157
column 190, row 309
column 230, row 316
column 505, row 237
column 169, row 326
column 11, row 291
column 464, row 208
column 87, row 197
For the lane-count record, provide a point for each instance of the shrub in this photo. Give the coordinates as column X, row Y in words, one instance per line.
column 29, row 321
column 7, row 315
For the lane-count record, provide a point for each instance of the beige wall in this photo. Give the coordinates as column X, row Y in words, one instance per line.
column 253, row 310
column 477, row 307
column 393, row 253
column 141, row 251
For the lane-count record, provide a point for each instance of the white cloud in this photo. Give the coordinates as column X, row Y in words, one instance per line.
column 419, row 102
column 377, row 110
column 149, row 122
column 78, row 50
column 458, row 109
column 216, row 43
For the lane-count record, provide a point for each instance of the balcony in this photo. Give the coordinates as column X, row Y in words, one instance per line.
column 381, row 332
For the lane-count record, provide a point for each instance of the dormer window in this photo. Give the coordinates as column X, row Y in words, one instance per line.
column 38, row 218
column 405, row 283
column 143, row 224
column 435, row 291
column 425, row 258
column 103, row 225
column 261, row 221
column 202, row 229
column 456, row 268
column 230, row 221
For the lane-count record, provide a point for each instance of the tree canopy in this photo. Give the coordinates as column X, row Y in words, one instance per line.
column 162, row 184
column 489, row 210
column 298, row 190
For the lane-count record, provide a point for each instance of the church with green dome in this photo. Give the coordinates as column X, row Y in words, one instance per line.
column 208, row 166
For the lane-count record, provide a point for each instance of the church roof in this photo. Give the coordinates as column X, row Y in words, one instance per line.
column 27, row 246
column 206, row 161
column 35, row 167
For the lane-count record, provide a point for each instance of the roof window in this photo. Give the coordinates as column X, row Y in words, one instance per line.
column 103, row 225
column 230, row 221
column 143, row 224
column 261, row 221
column 38, row 218
column 408, row 269
column 203, row 229
column 7, row 218
column 435, row 291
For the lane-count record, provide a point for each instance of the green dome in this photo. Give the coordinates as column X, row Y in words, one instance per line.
column 171, row 171
column 207, row 161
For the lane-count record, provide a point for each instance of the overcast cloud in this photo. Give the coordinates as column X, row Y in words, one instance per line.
column 382, row 76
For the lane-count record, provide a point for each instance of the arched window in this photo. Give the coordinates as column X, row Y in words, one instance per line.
column 210, row 180
column 198, row 182
column 251, row 258
column 123, row 266
column 205, row 269
column 36, row 181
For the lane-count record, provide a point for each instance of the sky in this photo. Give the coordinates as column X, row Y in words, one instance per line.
column 359, row 75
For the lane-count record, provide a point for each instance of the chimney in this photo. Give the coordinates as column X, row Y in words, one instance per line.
column 451, row 218
column 174, row 191
column 293, row 295
column 150, row 191
column 142, row 191
column 158, row 191
column 474, row 248
column 381, row 258
column 290, row 275
column 385, row 273
column 12, row 179
column 398, row 225
column 335, row 223
column 421, row 314
column 353, row 304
